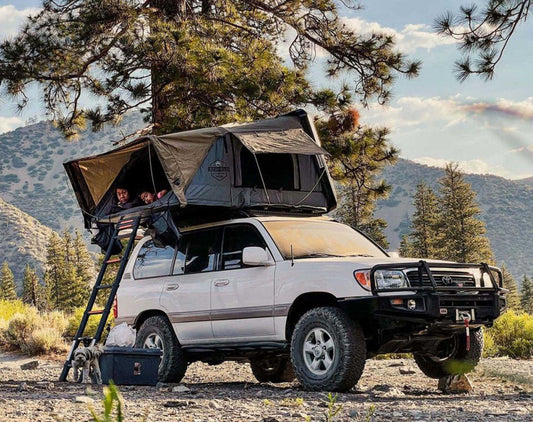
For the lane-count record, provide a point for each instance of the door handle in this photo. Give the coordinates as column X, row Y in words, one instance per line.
column 172, row 286
column 219, row 283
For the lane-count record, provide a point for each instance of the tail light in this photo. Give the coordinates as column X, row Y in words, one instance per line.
column 115, row 308
column 363, row 278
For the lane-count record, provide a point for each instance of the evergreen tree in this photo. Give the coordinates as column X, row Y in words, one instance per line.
column 526, row 295
column 358, row 154
column 513, row 297
column 462, row 236
column 406, row 247
column 56, row 273
column 483, row 32
column 8, row 288
column 32, row 291
column 82, row 260
column 191, row 63
column 424, row 234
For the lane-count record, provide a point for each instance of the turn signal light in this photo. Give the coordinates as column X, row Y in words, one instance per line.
column 363, row 278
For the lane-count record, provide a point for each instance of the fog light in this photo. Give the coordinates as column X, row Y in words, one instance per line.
column 411, row 304
column 397, row 302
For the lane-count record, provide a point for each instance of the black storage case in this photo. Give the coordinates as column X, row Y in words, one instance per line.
column 130, row 366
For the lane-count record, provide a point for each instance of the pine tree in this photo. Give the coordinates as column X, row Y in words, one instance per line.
column 82, row 260
column 358, row 154
column 191, row 63
column 462, row 234
column 8, row 288
column 513, row 297
column 56, row 273
column 425, row 233
column 406, row 247
column 526, row 295
column 32, row 290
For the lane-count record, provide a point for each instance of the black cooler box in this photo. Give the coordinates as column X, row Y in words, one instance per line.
column 130, row 366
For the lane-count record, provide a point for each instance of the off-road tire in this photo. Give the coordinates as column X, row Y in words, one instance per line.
column 173, row 362
column 274, row 369
column 459, row 361
column 341, row 371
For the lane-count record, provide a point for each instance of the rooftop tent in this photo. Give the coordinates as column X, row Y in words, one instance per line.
column 274, row 164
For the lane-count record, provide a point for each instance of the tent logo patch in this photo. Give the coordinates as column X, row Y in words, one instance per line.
column 218, row 170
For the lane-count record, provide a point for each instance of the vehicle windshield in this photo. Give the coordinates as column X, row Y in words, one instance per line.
column 310, row 239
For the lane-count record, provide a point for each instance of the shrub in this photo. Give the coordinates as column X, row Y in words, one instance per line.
column 511, row 335
column 34, row 333
column 92, row 324
column 8, row 308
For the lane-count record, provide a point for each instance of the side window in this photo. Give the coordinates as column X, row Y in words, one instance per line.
column 198, row 252
column 153, row 261
column 236, row 238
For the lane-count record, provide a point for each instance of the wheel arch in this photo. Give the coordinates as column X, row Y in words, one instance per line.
column 143, row 316
column 304, row 303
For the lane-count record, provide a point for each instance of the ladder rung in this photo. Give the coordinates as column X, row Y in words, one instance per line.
column 113, row 261
column 105, row 286
column 125, row 226
column 125, row 235
column 96, row 312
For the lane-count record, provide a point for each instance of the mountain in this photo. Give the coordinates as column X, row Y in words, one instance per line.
column 506, row 205
column 31, row 168
column 23, row 240
column 527, row 181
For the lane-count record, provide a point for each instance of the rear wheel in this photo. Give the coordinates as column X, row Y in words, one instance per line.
column 453, row 358
column 156, row 332
column 272, row 369
column 328, row 350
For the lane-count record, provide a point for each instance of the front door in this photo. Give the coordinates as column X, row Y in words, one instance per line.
column 242, row 298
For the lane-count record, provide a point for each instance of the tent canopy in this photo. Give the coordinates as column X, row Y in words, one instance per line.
column 178, row 157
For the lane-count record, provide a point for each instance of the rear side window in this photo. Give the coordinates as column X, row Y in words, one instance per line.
column 236, row 238
column 153, row 261
column 198, row 251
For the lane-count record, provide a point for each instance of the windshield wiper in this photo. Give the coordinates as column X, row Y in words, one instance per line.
column 318, row 255
column 361, row 254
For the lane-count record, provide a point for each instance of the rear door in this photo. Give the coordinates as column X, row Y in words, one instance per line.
column 242, row 298
column 186, row 294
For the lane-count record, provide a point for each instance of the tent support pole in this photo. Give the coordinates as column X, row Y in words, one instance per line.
column 261, row 175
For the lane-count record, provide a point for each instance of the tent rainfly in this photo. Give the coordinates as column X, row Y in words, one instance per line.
column 270, row 165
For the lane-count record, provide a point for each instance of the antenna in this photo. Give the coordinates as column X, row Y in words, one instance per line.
column 292, row 257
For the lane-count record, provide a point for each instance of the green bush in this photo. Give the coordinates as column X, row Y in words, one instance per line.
column 36, row 333
column 92, row 324
column 8, row 308
column 511, row 335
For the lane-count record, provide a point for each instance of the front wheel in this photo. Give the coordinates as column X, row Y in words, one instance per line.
column 453, row 358
column 156, row 332
column 272, row 369
column 328, row 350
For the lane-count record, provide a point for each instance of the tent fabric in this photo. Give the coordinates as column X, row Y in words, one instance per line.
column 291, row 141
column 184, row 157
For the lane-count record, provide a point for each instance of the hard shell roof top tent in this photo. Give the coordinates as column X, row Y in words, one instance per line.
column 270, row 165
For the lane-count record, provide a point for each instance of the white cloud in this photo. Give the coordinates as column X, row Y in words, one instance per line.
column 408, row 40
column 11, row 19
column 9, row 123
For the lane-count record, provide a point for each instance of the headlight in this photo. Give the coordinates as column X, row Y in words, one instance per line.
column 386, row 279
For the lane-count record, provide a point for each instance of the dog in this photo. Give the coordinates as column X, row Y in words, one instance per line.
column 86, row 360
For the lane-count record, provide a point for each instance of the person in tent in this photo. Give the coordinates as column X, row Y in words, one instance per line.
column 123, row 200
column 149, row 197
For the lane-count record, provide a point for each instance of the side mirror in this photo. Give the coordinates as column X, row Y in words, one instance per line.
column 255, row 256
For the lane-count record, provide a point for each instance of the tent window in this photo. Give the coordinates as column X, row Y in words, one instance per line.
column 277, row 170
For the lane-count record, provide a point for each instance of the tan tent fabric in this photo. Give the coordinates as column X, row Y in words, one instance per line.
column 291, row 141
column 181, row 154
column 100, row 171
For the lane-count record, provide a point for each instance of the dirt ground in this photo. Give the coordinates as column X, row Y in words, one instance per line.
column 390, row 390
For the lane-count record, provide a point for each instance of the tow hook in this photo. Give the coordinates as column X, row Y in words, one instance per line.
column 465, row 316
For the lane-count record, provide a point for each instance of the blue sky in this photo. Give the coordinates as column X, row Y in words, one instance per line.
column 484, row 126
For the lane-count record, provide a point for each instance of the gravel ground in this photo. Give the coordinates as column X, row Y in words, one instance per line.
column 390, row 390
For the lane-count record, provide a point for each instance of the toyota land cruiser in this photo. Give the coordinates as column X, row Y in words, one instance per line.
column 304, row 297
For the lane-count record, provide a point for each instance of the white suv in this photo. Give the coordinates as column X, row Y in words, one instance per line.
column 304, row 297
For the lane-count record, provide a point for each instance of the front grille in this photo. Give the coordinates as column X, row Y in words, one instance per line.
column 442, row 279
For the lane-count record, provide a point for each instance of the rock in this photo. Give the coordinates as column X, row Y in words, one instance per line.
column 396, row 364
column 23, row 387
column 33, row 364
column 406, row 371
column 453, row 384
column 180, row 389
column 213, row 404
column 269, row 419
column 178, row 403
column 83, row 399
column 382, row 387
column 47, row 385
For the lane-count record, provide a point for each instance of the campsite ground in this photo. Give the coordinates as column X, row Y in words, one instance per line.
column 393, row 390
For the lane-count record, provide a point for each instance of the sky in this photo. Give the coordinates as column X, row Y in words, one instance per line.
column 484, row 126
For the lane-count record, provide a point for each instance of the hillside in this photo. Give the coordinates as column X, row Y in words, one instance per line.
column 23, row 240
column 31, row 170
column 507, row 210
